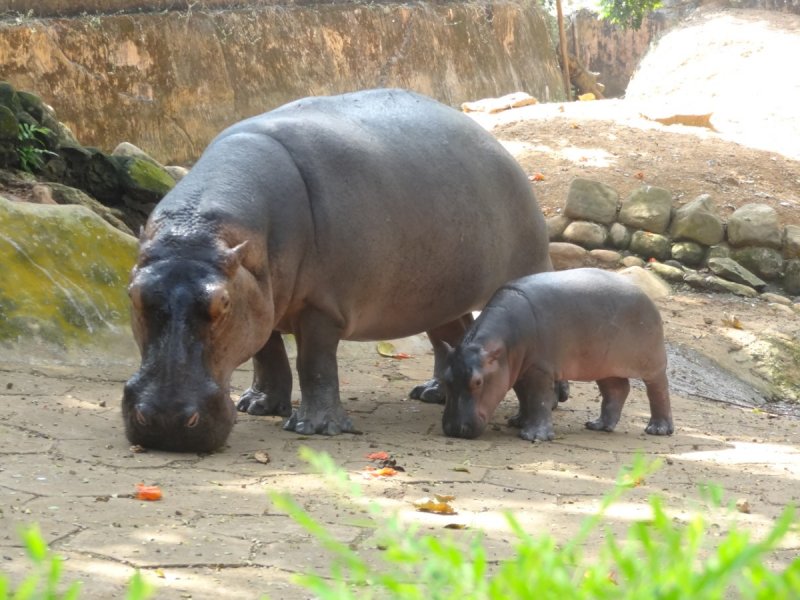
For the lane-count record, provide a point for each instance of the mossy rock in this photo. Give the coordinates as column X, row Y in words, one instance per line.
column 143, row 179
column 9, row 126
column 65, row 273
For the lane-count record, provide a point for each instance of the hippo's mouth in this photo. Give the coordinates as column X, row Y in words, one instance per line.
column 178, row 428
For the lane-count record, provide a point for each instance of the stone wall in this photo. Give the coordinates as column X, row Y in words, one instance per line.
column 169, row 81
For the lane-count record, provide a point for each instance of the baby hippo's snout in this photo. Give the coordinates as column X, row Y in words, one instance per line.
column 467, row 426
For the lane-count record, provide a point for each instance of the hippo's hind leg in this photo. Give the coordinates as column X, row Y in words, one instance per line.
column 614, row 391
column 450, row 333
column 660, row 408
column 537, row 394
column 271, row 392
column 320, row 409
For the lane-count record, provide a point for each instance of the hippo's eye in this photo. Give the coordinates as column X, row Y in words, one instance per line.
column 219, row 302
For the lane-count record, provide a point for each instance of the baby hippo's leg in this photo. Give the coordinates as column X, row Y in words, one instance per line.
column 537, row 397
column 660, row 408
column 614, row 391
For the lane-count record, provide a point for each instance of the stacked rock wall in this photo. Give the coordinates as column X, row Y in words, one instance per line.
column 749, row 253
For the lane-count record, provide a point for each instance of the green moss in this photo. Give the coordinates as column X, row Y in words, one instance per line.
column 149, row 176
column 64, row 273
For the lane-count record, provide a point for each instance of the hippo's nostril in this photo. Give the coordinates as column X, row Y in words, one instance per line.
column 193, row 420
column 140, row 418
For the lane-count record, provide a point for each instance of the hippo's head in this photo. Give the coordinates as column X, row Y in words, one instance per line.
column 474, row 386
column 197, row 314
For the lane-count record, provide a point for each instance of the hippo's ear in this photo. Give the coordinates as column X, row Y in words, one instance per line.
column 491, row 354
column 448, row 347
column 233, row 258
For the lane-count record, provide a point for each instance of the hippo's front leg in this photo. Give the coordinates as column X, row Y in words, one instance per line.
column 320, row 409
column 442, row 339
column 271, row 392
column 536, row 392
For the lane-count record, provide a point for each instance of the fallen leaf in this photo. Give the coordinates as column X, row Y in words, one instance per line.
column 262, row 457
column 444, row 497
column 743, row 506
column 137, row 449
column 432, row 506
column 382, row 472
column 160, row 573
column 461, row 469
column 147, row 492
column 388, row 350
column 639, row 175
column 455, row 526
column 587, row 96
column 690, row 120
column 537, row 177
column 574, row 125
column 378, row 456
column 732, row 321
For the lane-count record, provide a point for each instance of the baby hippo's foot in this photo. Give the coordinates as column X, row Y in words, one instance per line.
column 600, row 424
column 659, row 427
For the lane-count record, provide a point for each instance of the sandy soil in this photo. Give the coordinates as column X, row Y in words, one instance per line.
column 64, row 461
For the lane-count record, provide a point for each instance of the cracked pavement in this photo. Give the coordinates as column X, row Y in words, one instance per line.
column 65, row 464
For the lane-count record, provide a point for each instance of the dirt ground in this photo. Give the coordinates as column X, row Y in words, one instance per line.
column 65, row 463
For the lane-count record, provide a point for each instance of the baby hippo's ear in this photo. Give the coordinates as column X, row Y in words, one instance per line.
column 448, row 347
column 491, row 354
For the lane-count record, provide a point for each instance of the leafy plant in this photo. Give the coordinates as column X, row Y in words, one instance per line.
column 31, row 149
column 659, row 558
column 627, row 13
column 45, row 577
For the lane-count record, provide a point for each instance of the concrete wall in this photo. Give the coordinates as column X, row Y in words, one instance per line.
column 169, row 81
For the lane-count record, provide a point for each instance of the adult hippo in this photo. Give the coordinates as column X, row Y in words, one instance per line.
column 367, row 216
column 579, row 324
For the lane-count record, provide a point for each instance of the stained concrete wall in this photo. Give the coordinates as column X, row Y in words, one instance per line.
column 169, row 81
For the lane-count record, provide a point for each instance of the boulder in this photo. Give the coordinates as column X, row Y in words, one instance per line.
column 585, row 233
column 667, row 272
column 591, row 201
column 767, row 263
column 64, row 273
column 712, row 283
column 650, row 245
column 648, row 208
column 619, row 236
column 698, row 221
column 791, row 241
column 729, row 269
column 721, row 250
column 754, row 225
column 791, row 277
column 556, row 226
column 688, row 253
column 568, row 256
column 632, row 261
column 606, row 258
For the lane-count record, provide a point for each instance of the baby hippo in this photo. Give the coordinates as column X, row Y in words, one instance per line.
column 579, row 324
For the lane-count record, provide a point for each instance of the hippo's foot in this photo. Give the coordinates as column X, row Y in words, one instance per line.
column 600, row 425
column 430, row 392
column 562, row 390
column 659, row 427
column 542, row 432
column 304, row 423
column 255, row 402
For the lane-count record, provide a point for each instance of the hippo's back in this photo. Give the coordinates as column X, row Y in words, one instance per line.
column 412, row 213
